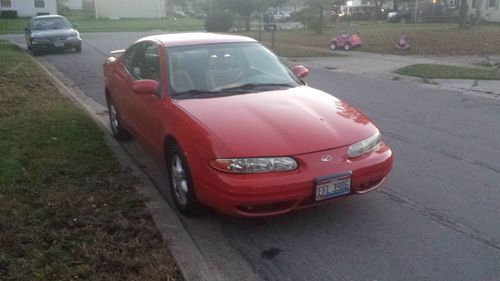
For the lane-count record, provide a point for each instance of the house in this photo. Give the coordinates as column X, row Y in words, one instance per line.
column 73, row 4
column 29, row 8
column 489, row 10
column 126, row 8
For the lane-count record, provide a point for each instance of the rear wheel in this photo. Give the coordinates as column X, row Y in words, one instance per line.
column 181, row 184
column 119, row 132
column 333, row 46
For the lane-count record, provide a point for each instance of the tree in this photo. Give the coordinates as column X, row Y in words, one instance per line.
column 319, row 6
column 245, row 8
column 462, row 20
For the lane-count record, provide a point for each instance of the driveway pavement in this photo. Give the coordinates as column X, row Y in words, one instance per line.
column 435, row 219
column 383, row 66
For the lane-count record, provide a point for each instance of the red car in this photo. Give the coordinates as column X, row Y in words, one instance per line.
column 237, row 129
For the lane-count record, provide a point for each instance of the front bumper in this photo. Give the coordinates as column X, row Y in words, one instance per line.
column 268, row 194
column 56, row 44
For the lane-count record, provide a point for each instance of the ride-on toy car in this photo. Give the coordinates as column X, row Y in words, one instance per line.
column 346, row 41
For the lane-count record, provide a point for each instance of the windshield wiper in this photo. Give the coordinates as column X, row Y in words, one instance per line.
column 194, row 92
column 253, row 86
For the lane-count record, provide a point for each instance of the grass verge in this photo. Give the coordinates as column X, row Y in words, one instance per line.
column 68, row 211
column 437, row 71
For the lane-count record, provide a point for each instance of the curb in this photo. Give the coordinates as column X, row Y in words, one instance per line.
column 188, row 256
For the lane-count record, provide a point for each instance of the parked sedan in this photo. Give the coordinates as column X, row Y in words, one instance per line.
column 236, row 129
column 51, row 32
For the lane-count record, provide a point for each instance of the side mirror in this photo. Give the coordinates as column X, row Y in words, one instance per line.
column 300, row 71
column 145, row 87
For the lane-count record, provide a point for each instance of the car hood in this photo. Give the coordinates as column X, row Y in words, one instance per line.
column 53, row 33
column 278, row 123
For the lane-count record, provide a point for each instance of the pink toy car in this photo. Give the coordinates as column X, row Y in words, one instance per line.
column 346, row 41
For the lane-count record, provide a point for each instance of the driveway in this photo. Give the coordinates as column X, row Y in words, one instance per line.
column 437, row 218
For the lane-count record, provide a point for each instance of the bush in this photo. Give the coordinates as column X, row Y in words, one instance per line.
column 8, row 14
column 42, row 13
column 219, row 23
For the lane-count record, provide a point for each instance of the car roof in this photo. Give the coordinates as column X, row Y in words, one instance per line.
column 195, row 38
column 47, row 17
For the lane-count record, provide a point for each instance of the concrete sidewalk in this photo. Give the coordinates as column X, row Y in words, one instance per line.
column 383, row 66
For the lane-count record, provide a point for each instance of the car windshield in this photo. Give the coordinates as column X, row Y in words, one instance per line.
column 214, row 70
column 50, row 23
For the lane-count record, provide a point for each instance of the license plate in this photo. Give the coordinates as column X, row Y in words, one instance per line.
column 333, row 186
column 59, row 44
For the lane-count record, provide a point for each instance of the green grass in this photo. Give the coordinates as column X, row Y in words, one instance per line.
column 436, row 71
column 85, row 24
column 68, row 211
column 442, row 39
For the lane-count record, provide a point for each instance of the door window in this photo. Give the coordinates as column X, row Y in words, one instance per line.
column 143, row 61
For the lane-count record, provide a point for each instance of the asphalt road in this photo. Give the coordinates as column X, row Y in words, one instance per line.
column 437, row 218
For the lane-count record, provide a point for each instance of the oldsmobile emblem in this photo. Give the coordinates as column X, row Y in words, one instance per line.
column 326, row 158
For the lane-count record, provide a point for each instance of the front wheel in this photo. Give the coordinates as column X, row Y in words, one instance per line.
column 347, row 46
column 119, row 132
column 78, row 49
column 181, row 184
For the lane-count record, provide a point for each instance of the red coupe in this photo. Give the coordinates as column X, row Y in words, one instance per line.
column 237, row 129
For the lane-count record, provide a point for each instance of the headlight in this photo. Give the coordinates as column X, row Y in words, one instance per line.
column 364, row 146
column 254, row 165
column 73, row 38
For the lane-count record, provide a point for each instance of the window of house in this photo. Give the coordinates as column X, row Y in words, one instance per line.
column 492, row 3
column 473, row 4
column 6, row 3
column 453, row 3
column 39, row 3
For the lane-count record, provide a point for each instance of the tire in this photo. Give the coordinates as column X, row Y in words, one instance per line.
column 35, row 51
column 78, row 49
column 347, row 46
column 333, row 46
column 181, row 183
column 119, row 132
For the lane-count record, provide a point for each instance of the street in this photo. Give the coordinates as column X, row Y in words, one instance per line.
column 436, row 218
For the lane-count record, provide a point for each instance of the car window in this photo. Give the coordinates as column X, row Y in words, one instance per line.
column 143, row 61
column 214, row 68
column 50, row 24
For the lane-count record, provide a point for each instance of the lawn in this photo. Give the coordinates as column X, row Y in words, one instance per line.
column 380, row 37
column 435, row 71
column 68, row 211
column 85, row 24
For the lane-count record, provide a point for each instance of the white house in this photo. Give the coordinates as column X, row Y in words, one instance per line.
column 29, row 8
column 74, row 4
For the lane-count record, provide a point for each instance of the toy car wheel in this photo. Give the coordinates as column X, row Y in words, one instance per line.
column 333, row 46
column 347, row 46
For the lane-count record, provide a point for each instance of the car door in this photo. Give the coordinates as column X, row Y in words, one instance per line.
column 147, row 110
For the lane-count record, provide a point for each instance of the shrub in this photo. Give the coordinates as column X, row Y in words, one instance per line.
column 42, row 13
column 8, row 14
column 219, row 23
